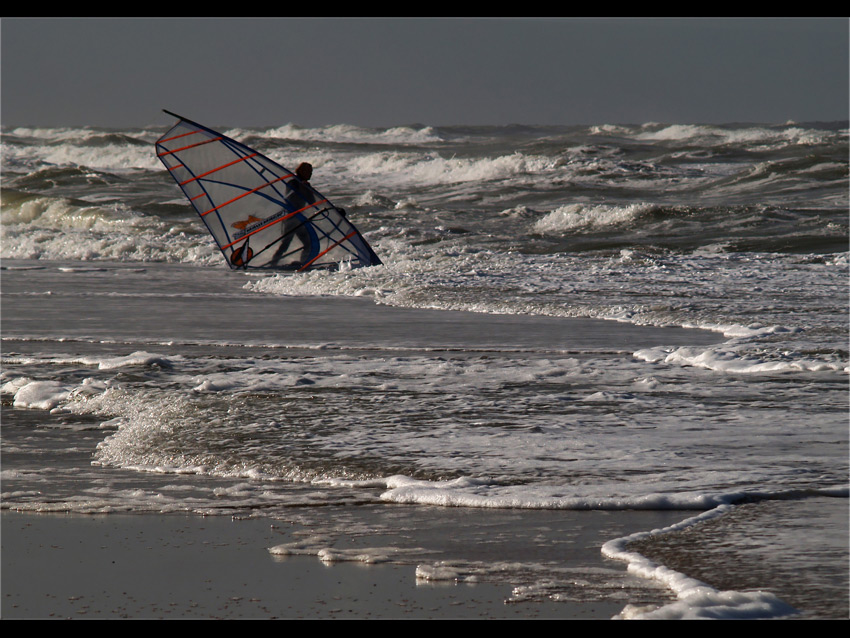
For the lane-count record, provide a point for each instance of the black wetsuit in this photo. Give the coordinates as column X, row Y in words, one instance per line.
column 295, row 226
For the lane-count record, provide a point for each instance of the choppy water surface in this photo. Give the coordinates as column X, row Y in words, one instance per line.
column 740, row 229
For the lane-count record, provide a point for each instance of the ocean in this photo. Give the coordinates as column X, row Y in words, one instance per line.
column 644, row 323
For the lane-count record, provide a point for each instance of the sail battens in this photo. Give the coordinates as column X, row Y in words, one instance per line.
column 186, row 148
column 218, row 168
column 250, row 192
column 168, row 139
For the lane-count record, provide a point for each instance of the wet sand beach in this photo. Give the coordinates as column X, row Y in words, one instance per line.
column 173, row 566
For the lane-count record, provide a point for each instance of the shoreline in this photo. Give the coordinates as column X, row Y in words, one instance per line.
column 729, row 553
column 144, row 565
column 159, row 304
column 187, row 566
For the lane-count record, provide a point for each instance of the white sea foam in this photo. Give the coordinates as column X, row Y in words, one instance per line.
column 696, row 600
column 113, row 158
column 107, row 362
column 346, row 133
column 577, row 216
column 143, row 418
column 61, row 213
column 731, row 361
column 54, row 228
column 710, row 135
column 401, row 170
column 480, row 493
column 42, row 395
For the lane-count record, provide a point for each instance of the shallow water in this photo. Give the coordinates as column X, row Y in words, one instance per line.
column 255, row 393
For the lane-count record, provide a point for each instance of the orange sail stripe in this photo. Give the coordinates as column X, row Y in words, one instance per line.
column 176, row 137
column 276, row 221
column 241, row 159
column 177, row 150
column 328, row 249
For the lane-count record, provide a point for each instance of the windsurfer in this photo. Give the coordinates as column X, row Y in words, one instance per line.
column 300, row 196
column 243, row 196
column 304, row 172
column 301, row 187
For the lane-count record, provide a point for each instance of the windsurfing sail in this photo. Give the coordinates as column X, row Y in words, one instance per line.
column 260, row 214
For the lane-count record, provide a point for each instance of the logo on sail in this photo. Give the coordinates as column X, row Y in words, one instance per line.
column 245, row 222
column 246, row 226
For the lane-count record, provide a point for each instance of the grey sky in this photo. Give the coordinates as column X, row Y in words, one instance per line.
column 393, row 71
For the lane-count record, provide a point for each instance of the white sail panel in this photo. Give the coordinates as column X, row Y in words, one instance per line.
column 260, row 214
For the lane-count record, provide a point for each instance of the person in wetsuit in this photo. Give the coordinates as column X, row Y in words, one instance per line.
column 301, row 196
